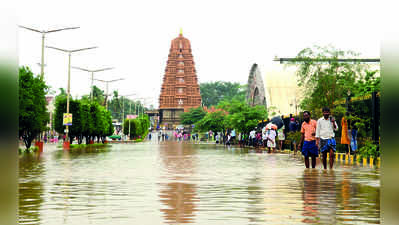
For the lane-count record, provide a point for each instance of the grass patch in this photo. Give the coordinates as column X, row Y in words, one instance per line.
column 28, row 150
column 95, row 145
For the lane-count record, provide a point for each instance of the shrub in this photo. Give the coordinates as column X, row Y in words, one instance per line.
column 368, row 150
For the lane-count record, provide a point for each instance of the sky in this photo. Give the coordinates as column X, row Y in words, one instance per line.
column 226, row 37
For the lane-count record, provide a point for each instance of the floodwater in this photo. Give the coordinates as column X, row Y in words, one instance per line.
column 184, row 183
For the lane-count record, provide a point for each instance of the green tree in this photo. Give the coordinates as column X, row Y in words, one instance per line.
column 97, row 117
column 138, row 126
column 75, row 130
column 242, row 116
column 145, row 124
column 87, row 121
column 211, row 121
column 60, row 109
column 61, row 95
column 214, row 92
column 106, row 124
column 134, row 127
column 193, row 116
column 325, row 78
column 33, row 116
column 98, row 95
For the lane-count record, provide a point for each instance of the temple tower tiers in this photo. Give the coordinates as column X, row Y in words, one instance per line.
column 180, row 89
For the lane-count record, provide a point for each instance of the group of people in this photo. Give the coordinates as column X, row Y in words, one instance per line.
column 176, row 135
column 318, row 136
column 266, row 137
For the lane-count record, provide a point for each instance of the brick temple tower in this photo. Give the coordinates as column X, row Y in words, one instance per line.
column 180, row 89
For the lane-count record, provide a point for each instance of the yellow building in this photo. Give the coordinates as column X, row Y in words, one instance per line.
column 282, row 93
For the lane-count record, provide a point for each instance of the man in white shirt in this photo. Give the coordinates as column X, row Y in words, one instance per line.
column 325, row 136
column 252, row 137
column 233, row 137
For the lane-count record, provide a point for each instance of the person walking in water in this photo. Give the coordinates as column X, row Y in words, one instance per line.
column 293, row 128
column 308, row 139
column 326, row 126
column 281, row 137
column 271, row 140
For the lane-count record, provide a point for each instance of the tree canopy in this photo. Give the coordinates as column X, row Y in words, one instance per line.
column 233, row 114
column 193, row 116
column 214, row 92
column 325, row 79
column 33, row 116
column 138, row 126
column 89, row 120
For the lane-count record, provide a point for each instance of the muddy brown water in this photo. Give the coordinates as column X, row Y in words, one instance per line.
column 185, row 183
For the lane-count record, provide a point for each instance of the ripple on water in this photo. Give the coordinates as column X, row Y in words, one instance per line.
column 175, row 183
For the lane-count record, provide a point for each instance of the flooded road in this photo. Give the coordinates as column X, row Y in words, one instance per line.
column 177, row 183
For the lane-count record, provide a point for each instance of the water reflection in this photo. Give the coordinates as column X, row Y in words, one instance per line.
column 31, row 173
column 310, row 195
column 327, row 197
column 179, row 197
column 255, row 208
column 177, row 183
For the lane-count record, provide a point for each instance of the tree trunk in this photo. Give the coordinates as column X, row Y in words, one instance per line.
column 87, row 140
column 80, row 139
column 28, row 141
column 71, row 139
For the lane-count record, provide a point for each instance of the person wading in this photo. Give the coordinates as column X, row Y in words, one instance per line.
column 308, row 139
column 326, row 126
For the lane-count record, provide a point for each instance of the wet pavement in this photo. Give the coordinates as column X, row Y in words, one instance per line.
column 177, row 183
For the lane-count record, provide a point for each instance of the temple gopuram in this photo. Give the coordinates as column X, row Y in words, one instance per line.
column 180, row 89
column 256, row 94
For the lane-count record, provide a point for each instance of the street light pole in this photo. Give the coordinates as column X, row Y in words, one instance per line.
column 123, row 112
column 130, row 111
column 69, row 77
column 107, row 82
column 92, row 76
column 44, row 32
column 123, row 115
column 42, row 64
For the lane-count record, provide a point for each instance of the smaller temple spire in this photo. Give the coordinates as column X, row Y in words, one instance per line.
column 181, row 32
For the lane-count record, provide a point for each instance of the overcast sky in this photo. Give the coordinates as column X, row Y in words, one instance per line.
column 227, row 37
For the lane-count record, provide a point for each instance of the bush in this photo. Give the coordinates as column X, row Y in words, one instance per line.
column 28, row 150
column 368, row 150
column 294, row 136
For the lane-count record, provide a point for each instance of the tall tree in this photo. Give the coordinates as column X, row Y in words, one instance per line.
column 324, row 78
column 33, row 116
column 211, row 121
column 242, row 116
column 192, row 116
column 214, row 92
column 98, row 95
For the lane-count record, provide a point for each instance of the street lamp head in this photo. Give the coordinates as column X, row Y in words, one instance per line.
column 67, row 28
column 82, row 49
column 70, row 51
column 78, row 68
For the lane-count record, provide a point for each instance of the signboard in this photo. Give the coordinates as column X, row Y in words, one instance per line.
column 131, row 116
column 67, row 119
